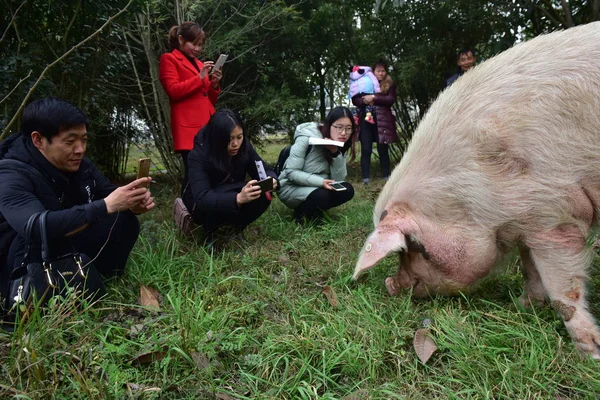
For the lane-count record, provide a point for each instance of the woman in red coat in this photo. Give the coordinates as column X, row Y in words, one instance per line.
column 191, row 85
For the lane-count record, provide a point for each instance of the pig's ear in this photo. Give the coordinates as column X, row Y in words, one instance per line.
column 378, row 245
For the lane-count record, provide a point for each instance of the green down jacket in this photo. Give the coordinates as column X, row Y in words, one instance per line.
column 303, row 172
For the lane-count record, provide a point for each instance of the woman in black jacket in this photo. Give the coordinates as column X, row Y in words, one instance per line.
column 217, row 193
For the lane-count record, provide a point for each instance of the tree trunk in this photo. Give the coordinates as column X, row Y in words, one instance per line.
column 568, row 15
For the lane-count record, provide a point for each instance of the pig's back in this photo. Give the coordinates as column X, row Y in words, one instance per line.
column 527, row 119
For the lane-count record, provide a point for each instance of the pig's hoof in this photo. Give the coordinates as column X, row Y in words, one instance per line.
column 390, row 284
column 528, row 302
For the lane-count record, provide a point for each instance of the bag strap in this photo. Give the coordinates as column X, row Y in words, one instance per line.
column 28, row 234
column 44, row 236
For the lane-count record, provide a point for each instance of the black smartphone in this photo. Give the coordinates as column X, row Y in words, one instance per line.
column 337, row 186
column 266, row 184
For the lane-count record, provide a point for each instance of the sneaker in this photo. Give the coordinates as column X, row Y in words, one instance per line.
column 183, row 219
column 366, row 181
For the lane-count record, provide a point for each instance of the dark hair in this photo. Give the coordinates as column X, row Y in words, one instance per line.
column 189, row 31
column 216, row 137
column 464, row 52
column 381, row 63
column 49, row 116
column 325, row 128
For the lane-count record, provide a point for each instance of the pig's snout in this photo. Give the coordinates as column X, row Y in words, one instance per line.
column 400, row 282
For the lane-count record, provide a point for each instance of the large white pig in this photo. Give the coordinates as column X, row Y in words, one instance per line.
column 507, row 156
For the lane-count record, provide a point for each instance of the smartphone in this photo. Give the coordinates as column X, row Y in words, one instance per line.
column 337, row 186
column 220, row 62
column 266, row 184
column 143, row 168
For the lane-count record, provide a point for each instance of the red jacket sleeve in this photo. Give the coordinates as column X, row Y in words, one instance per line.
column 386, row 99
column 213, row 94
column 169, row 78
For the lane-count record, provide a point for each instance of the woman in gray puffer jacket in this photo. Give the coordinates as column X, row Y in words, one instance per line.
column 308, row 173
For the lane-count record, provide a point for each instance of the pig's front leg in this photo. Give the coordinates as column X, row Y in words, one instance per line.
column 533, row 293
column 562, row 261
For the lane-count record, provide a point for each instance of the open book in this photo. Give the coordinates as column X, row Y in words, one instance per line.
column 325, row 142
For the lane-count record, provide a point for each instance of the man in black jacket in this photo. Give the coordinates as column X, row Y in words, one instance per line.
column 465, row 61
column 44, row 168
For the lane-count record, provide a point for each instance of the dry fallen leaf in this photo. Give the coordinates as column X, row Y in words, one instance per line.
column 147, row 358
column 201, row 360
column 137, row 328
column 330, row 295
column 149, row 297
column 424, row 345
column 224, row 396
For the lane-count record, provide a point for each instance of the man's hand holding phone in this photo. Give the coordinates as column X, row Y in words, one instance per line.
column 134, row 196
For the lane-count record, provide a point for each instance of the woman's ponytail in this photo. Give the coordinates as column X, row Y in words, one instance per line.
column 174, row 37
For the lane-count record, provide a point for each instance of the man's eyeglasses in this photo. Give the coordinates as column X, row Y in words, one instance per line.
column 340, row 128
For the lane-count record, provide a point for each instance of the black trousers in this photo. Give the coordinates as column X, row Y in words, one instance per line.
column 110, row 260
column 238, row 219
column 368, row 135
column 323, row 199
column 184, row 156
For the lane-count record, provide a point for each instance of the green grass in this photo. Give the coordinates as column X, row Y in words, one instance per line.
column 259, row 323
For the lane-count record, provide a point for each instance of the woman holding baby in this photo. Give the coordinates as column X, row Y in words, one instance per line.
column 381, row 128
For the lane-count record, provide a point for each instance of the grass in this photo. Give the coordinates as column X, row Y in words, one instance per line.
column 253, row 323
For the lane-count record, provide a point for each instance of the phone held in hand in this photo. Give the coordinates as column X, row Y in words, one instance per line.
column 337, row 186
column 266, row 184
column 220, row 62
column 143, row 170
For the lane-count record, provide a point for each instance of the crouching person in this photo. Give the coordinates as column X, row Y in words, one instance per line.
column 217, row 193
column 44, row 168
column 310, row 171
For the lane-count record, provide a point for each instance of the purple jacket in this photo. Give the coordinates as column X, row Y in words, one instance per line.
column 386, row 122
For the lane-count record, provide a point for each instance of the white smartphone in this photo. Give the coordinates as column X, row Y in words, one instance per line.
column 337, row 186
column 220, row 61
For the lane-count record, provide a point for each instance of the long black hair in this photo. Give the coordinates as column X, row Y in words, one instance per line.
column 216, row 137
column 325, row 128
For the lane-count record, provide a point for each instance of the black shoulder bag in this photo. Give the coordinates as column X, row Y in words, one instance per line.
column 47, row 278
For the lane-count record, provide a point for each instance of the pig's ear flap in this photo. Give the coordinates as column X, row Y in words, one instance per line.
column 378, row 245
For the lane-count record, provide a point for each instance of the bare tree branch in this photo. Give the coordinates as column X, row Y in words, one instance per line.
column 66, row 35
column 551, row 13
column 16, row 86
column 58, row 60
column 12, row 19
column 568, row 15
